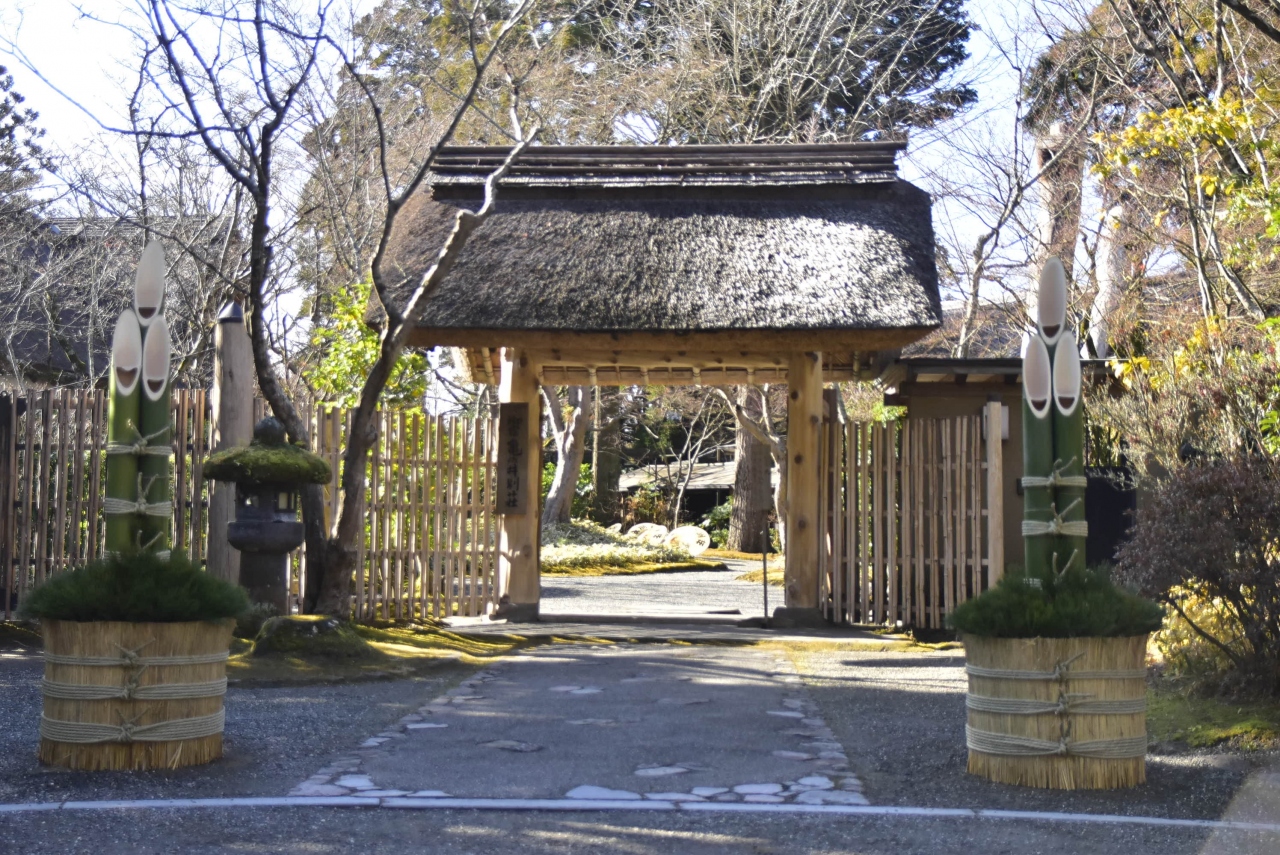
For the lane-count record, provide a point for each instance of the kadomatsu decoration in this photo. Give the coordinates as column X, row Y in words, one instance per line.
column 136, row 644
column 1055, row 654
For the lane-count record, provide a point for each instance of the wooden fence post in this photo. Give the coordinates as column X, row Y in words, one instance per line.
column 232, row 424
column 8, row 496
column 995, row 491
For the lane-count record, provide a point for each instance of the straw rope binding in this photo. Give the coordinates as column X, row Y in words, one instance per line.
column 1075, row 704
column 86, row 733
column 132, row 691
column 1007, row 745
column 1005, row 674
column 130, row 659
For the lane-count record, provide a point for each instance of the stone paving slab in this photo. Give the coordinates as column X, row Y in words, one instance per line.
column 596, row 722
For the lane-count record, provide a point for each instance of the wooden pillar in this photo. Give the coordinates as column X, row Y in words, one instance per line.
column 804, row 428
column 519, row 586
column 994, row 417
column 231, row 403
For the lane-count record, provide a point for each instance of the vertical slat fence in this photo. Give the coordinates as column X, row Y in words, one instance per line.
column 907, row 534
column 428, row 545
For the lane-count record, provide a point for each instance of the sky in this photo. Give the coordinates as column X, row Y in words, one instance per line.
column 89, row 63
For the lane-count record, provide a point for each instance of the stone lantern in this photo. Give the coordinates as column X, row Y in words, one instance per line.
column 268, row 474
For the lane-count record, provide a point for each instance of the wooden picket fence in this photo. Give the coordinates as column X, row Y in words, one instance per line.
column 430, row 536
column 913, row 523
column 430, row 544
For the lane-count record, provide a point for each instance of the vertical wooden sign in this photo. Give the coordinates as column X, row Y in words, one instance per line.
column 513, row 492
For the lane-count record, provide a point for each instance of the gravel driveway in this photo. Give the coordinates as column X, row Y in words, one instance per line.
column 692, row 592
column 901, row 719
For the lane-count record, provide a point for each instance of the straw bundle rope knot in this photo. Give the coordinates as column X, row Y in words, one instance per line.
column 1057, row 525
column 88, row 733
column 1024, row 746
column 1074, row 704
column 141, row 445
column 141, row 507
column 132, row 691
column 1056, row 479
column 113, row 505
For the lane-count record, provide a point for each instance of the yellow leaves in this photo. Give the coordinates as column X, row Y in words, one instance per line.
column 1186, row 134
column 1127, row 370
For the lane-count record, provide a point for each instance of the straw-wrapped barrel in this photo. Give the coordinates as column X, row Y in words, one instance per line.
column 133, row 695
column 1062, row 713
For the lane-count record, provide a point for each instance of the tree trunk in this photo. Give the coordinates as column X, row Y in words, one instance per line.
column 752, row 491
column 1111, row 262
column 607, row 465
column 571, row 446
column 1060, row 194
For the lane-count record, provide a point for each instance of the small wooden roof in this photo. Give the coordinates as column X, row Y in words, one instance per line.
column 630, row 264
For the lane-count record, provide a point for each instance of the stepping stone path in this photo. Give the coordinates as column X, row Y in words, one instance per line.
column 729, row 724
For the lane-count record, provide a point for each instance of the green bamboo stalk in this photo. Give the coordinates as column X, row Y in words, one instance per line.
column 155, row 425
column 122, row 430
column 1037, row 453
column 1068, row 448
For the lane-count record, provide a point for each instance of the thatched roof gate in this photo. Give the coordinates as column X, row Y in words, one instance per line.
column 689, row 264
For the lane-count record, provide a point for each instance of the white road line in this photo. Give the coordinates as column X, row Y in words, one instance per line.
column 605, row 805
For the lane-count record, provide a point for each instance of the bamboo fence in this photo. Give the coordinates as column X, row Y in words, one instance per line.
column 429, row 542
column 906, row 534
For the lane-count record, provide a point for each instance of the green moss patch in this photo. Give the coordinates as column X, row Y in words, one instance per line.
column 777, row 575
column 1207, row 722
column 139, row 588
column 258, row 465
column 313, row 637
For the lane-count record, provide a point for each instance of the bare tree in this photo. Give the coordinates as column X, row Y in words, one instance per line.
column 569, row 431
column 240, row 77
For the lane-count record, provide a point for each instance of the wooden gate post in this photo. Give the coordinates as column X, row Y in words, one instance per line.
column 804, row 428
column 519, row 487
column 232, row 423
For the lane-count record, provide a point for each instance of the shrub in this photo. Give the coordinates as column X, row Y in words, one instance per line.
column 649, row 503
column 717, row 522
column 1214, row 530
column 137, row 588
column 583, row 544
column 1074, row 604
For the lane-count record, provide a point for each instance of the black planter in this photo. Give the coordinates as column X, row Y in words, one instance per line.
column 266, row 529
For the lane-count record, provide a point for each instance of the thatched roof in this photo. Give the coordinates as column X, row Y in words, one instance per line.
column 676, row 240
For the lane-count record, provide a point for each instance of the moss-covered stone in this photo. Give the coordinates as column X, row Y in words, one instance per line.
column 257, row 465
column 313, row 637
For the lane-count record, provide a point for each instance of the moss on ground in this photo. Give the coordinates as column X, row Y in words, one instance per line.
column 358, row 652
column 1207, row 722
column 20, row 635
column 776, row 576
column 637, row 569
column 774, row 557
